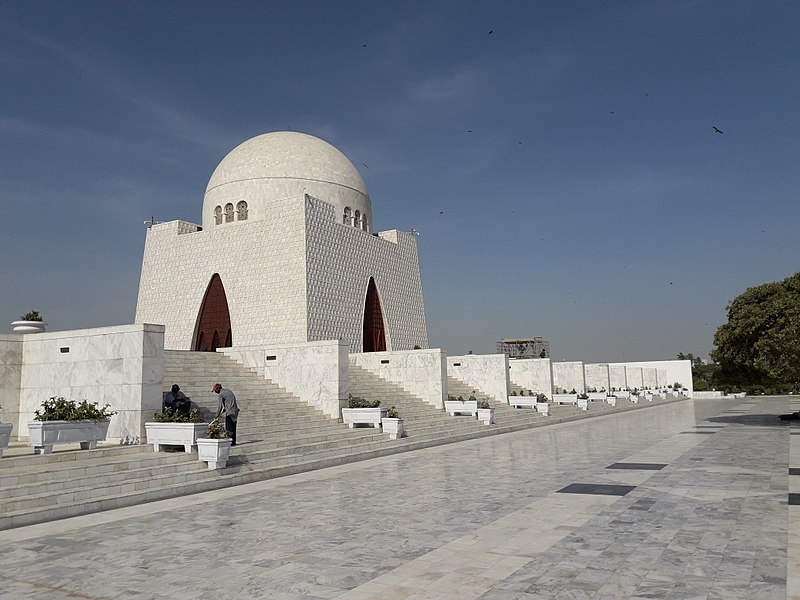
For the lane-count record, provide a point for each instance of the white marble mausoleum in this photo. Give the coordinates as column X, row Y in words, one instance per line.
column 285, row 254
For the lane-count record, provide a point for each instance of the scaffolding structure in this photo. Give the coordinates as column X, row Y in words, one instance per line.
column 524, row 348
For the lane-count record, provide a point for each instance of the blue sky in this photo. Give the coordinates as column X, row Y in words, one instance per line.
column 562, row 170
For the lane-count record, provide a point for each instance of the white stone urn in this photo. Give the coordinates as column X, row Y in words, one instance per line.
column 28, row 326
column 393, row 426
column 486, row 415
column 214, row 451
column 542, row 408
column 5, row 436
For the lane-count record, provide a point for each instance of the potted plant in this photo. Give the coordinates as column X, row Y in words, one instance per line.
column 542, row 404
column 561, row 396
column 583, row 401
column 171, row 427
column 458, row 405
column 215, row 447
column 62, row 421
column 30, row 322
column 634, row 395
column 5, row 435
column 360, row 411
column 393, row 424
column 485, row 412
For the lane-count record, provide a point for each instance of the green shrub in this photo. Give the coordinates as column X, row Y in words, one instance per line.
column 61, row 409
column 33, row 316
column 392, row 413
column 216, row 430
column 356, row 402
column 171, row 415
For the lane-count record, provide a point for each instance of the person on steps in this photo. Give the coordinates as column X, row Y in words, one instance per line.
column 178, row 401
column 227, row 404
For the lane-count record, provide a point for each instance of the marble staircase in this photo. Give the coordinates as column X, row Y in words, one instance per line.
column 278, row 434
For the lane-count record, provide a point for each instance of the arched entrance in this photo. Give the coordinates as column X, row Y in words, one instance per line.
column 214, row 318
column 374, row 333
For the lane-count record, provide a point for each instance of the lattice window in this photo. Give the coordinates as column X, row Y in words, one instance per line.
column 229, row 213
column 218, row 215
column 241, row 211
column 357, row 221
column 347, row 219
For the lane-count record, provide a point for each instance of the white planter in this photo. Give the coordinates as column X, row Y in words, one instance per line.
column 622, row 394
column 597, row 396
column 463, row 407
column 634, row 398
column 393, row 426
column 174, row 434
column 363, row 416
column 28, row 326
column 583, row 403
column 648, row 397
column 486, row 415
column 5, row 435
column 565, row 398
column 44, row 435
column 611, row 400
column 522, row 401
column 214, row 451
column 542, row 408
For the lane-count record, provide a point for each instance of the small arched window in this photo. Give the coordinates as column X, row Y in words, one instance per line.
column 218, row 215
column 357, row 221
column 229, row 212
column 241, row 211
column 364, row 224
column 347, row 219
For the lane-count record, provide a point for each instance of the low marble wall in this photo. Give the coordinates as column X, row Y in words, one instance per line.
column 316, row 372
column 120, row 365
column 535, row 374
column 10, row 378
column 708, row 394
column 485, row 372
column 597, row 377
column 419, row 372
column 616, row 375
column 633, row 376
column 569, row 376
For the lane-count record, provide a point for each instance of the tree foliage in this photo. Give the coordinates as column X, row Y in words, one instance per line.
column 759, row 343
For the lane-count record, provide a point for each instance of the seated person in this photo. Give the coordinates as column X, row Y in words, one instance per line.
column 177, row 400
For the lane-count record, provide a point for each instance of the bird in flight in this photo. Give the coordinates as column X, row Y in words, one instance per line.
column 365, row 164
column 491, row 31
column 718, row 130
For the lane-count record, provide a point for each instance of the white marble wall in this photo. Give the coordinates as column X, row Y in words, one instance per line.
column 10, row 377
column 485, row 372
column 597, row 377
column 616, row 375
column 633, row 375
column 534, row 374
column 569, row 376
column 419, row 372
column 317, row 372
column 120, row 365
column 669, row 371
column 649, row 377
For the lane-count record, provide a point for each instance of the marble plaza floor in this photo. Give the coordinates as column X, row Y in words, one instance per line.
column 689, row 500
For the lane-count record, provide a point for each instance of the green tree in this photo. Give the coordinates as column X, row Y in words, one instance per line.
column 759, row 343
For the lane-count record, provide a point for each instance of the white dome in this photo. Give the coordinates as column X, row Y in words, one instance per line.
column 285, row 164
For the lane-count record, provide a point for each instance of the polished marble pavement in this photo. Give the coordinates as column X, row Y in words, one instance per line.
column 680, row 501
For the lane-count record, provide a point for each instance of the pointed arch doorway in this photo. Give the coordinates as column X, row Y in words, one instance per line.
column 214, row 319
column 374, row 333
